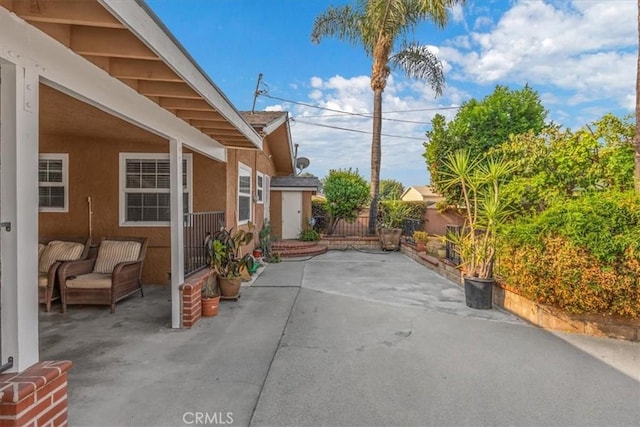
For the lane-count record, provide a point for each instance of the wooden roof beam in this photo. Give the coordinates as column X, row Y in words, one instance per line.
column 109, row 42
column 142, row 70
column 73, row 12
column 185, row 104
column 211, row 115
column 167, row 90
column 210, row 124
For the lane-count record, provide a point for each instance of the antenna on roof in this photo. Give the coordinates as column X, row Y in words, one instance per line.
column 256, row 93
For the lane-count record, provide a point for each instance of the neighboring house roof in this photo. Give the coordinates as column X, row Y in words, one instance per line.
column 295, row 183
column 421, row 193
column 128, row 41
column 274, row 127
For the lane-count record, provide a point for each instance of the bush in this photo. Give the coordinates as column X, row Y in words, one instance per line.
column 347, row 194
column 582, row 255
column 309, row 236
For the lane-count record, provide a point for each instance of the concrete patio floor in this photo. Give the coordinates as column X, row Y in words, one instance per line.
column 345, row 338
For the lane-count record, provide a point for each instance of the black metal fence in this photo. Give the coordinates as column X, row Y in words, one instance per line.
column 359, row 227
column 198, row 227
column 452, row 253
column 410, row 225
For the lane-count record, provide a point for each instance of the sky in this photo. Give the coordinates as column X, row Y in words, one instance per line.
column 579, row 55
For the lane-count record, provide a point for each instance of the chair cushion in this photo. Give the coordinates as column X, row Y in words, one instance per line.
column 91, row 281
column 58, row 250
column 41, row 247
column 113, row 252
column 43, row 280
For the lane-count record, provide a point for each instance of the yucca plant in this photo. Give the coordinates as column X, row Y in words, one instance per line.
column 483, row 209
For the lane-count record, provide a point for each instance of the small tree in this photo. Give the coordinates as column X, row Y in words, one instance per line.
column 390, row 189
column 347, row 194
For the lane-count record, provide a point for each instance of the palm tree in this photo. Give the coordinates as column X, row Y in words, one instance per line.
column 378, row 26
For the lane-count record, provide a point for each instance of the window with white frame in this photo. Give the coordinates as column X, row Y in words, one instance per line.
column 244, row 193
column 146, row 184
column 260, row 187
column 53, row 182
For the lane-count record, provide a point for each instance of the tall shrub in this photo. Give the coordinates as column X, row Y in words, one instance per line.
column 582, row 255
column 347, row 194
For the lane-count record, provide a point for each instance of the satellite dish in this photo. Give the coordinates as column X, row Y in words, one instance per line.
column 302, row 163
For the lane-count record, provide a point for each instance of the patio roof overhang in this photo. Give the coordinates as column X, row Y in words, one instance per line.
column 126, row 40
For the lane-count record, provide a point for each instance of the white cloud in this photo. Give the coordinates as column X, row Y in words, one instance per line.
column 588, row 47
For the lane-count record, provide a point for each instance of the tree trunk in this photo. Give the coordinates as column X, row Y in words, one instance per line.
column 637, row 139
column 376, row 151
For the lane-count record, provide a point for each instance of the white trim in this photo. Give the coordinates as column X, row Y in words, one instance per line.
column 294, row 189
column 64, row 70
column 275, row 124
column 177, row 229
column 151, row 32
column 19, row 111
column 64, row 157
column 260, row 188
column 122, row 190
column 244, row 171
column 267, row 197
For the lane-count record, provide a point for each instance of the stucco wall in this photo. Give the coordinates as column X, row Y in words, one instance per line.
column 94, row 172
column 436, row 223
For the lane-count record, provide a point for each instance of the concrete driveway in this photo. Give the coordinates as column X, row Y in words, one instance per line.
column 343, row 339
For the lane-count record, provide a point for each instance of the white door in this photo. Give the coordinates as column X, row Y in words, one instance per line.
column 291, row 214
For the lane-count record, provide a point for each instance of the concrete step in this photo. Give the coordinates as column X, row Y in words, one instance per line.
column 295, row 248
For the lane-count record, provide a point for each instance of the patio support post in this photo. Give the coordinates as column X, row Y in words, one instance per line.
column 177, row 230
column 19, row 207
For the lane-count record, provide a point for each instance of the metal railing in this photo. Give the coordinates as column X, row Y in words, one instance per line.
column 452, row 254
column 198, row 227
column 357, row 228
column 410, row 225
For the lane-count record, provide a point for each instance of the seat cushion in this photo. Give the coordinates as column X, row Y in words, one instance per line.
column 113, row 252
column 41, row 247
column 90, row 281
column 43, row 280
column 58, row 250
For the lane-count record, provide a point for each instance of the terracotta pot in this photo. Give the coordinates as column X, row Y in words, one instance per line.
column 390, row 238
column 230, row 286
column 421, row 246
column 210, row 306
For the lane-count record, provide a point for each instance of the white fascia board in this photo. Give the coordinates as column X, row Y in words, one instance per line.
column 142, row 22
column 63, row 69
column 293, row 189
column 275, row 124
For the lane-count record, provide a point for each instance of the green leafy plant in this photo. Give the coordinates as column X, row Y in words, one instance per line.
column 483, row 209
column 347, row 194
column 210, row 287
column 224, row 252
column 421, row 236
column 309, row 235
column 393, row 213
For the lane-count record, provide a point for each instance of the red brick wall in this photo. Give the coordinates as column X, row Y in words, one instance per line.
column 191, row 298
column 35, row 397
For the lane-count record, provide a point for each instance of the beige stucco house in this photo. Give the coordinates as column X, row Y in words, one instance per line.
column 109, row 128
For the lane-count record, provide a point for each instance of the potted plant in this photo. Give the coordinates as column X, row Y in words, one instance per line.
column 421, row 238
column 224, row 251
column 392, row 215
column 484, row 212
column 210, row 296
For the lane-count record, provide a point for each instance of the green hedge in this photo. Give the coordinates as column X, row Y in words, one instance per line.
column 582, row 255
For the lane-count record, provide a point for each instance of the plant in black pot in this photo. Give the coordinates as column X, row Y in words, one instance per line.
column 390, row 221
column 224, row 251
column 479, row 182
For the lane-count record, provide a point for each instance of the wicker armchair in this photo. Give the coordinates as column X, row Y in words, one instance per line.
column 52, row 252
column 114, row 274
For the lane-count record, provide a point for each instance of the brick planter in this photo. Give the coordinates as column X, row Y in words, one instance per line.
column 35, row 397
column 540, row 315
column 191, row 298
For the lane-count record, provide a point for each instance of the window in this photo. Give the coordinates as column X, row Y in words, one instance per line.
column 260, row 187
column 53, row 174
column 244, row 194
column 145, row 181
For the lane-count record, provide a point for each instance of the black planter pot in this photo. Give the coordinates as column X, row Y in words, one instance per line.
column 478, row 292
